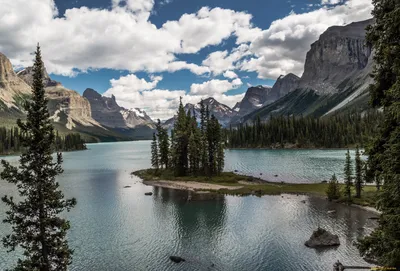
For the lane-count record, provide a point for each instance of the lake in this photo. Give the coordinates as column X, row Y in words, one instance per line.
column 117, row 228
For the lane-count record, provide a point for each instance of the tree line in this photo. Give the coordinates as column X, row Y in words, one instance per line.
column 191, row 148
column 336, row 131
column 11, row 141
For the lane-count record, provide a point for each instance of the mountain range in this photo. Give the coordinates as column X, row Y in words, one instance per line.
column 335, row 79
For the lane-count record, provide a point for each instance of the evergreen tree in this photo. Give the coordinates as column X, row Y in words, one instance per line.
column 37, row 227
column 359, row 177
column 348, row 176
column 181, row 142
column 384, row 155
column 333, row 190
column 163, row 145
column 154, row 153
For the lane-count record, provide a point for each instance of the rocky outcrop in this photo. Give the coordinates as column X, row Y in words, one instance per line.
column 254, row 98
column 336, row 77
column 27, row 75
column 322, row 238
column 282, row 86
column 107, row 112
column 12, row 89
column 339, row 54
column 68, row 107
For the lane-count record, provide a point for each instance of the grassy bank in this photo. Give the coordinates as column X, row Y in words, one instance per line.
column 255, row 186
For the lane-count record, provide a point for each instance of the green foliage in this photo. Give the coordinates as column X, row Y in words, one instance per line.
column 358, row 184
column 163, row 142
column 37, row 227
column 194, row 150
column 333, row 190
column 154, row 153
column 337, row 131
column 10, row 141
column 348, row 177
column 383, row 244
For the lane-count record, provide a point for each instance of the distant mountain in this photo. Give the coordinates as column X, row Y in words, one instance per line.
column 221, row 111
column 335, row 78
column 69, row 111
column 254, row 98
column 108, row 113
column 13, row 90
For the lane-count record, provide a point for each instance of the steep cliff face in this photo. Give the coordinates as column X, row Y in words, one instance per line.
column 282, row 86
column 254, row 98
column 336, row 76
column 107, row 112
column 12, row 89
column 68, row 107
column 27, row 75
column 340, row 54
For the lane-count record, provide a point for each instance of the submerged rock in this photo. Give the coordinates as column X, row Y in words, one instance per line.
column 127, row 186
column 176, row 259
column 148, row 193
column 322, row 238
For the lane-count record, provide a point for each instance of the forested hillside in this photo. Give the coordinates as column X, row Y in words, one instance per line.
column 339, row 131
column 10, row 141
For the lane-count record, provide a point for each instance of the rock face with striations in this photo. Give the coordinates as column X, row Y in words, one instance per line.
column 65, row 106
column 254, row 98
column 338, row 54
column 282, row 86
column 107, row 112
column 12, row 88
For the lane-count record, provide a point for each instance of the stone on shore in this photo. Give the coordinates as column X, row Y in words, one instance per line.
column 322, row 238
column 148, row 193
column 176, row 259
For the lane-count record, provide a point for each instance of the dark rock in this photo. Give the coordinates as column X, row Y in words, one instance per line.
column 235, row 170
column 324, row 181
column 148, row 193
column 176, row 259
column 322, row 238
column 303, row 201
column 373, row 218
column 260, row 173
column 127, row 186
column 276, row 175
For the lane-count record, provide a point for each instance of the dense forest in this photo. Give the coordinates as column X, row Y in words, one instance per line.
column 191, row 149
column 337, row 131
column 10, row 141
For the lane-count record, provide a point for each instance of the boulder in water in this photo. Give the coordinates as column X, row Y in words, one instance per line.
column 148, row 193
column 322, row 238
column 176, row 259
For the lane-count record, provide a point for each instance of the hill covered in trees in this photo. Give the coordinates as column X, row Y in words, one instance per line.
column 339, row 131
column 10, row 141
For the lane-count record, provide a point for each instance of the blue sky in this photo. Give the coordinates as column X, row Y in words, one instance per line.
column 148, row 53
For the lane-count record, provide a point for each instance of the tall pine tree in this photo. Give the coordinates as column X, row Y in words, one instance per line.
column 358, row 181
column 384, row 155
column 154, row 153
column 37, row 227
column 348, row 177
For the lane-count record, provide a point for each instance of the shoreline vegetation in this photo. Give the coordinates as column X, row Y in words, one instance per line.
column 230, row 183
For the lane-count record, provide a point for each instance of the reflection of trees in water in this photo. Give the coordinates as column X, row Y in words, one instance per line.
column 197, row 220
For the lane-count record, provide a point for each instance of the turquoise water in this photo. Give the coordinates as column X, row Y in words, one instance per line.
column 117, row 228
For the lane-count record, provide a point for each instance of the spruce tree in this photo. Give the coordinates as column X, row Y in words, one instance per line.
column 154, row 153
column 359, row 175
column 181, row 138
column 383, row 244
column 37, row 227
column 163, row 145
column 333, row 190
column 348, row 177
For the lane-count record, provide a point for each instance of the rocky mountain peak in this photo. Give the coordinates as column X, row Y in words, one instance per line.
column 27, row 75
column 339, row 53
column 12, row 88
